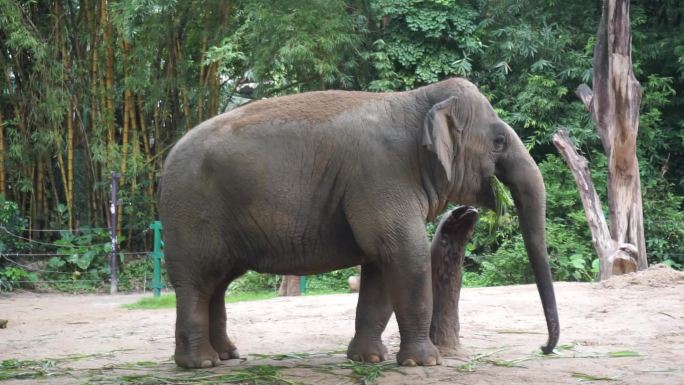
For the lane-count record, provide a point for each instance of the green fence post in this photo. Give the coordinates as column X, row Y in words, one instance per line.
column 157, row 256
column 302, row 284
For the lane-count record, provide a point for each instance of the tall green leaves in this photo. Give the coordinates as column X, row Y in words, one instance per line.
column 300, row 45
column 424, row 41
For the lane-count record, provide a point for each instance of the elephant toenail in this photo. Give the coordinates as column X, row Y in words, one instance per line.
column 235, row 354
column 430, row 362
column 207, row 364
column 373, row 358
column 356, row 357
column 408, row 362
column 225, row 356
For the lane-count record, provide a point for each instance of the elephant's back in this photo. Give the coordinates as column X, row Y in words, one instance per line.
column 307, row 108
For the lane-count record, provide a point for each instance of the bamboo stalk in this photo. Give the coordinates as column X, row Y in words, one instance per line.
column 66, row 173
column 2, row 154
column 202, row 79
column 214, row 98
column 109, row 72
column 53, row 185
column 38, row 195
column 148, row 157
column 70, row 165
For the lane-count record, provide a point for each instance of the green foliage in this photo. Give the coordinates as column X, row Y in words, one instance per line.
column 11, row 222
column 305, row 45
column 663, row 221
column 254, row 282
column 80, row 262
column 423, row 42
column 136, row 274
column 12, row 277
column 502, row 259
column 334, row 281
column 187, row 61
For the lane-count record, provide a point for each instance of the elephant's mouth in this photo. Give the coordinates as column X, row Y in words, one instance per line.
column 486, row 197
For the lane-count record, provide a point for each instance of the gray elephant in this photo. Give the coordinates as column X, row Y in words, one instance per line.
column 318, row 181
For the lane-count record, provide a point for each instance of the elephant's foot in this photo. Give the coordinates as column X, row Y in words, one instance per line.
column 225, row 348
column 366, row 350
column 229, row 354
column 204, row 358
column 419, row 353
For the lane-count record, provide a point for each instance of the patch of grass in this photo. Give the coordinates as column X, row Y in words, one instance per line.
column 589, row 377
column 261, row 374
column 366, row 373
column 19, row 369
column 281, row 357
column 361, row 372
column 250, row 296
column 168, row 301
column 482, row 358
column 165, row 301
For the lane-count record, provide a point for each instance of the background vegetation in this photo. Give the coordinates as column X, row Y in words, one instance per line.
column 92, row 86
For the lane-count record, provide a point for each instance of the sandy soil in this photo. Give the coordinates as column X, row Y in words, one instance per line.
column 92, row 339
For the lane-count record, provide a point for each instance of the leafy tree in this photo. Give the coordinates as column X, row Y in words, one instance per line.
column 91, row 86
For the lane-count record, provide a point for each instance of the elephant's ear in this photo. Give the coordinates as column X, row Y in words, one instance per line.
column 437, row 134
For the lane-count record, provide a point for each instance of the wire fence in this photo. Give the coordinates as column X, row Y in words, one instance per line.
column 48, row 276
column 51, row 276
column 43, row 275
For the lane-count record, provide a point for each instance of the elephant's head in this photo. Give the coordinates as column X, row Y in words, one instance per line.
column 472, row 144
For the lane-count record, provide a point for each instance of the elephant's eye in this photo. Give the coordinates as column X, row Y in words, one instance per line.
column 499, row 142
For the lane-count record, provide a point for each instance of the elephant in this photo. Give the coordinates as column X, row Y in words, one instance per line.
column 317, row 181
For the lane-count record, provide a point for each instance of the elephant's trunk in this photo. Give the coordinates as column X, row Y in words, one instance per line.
column 522, row 176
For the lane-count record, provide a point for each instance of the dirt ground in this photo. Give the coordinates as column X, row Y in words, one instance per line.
column 628, row 330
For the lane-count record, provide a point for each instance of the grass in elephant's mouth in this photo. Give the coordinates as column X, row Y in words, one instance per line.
column 168, row 301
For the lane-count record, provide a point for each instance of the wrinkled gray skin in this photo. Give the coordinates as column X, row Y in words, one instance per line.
column 318, row 181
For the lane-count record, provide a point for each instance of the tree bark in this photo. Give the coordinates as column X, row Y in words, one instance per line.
column 614, row 107
column 447, row 253
column 289, row 286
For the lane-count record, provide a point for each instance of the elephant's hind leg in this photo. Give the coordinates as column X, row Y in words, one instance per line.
column 372, row 313
column 217, row 321
column 193, row 349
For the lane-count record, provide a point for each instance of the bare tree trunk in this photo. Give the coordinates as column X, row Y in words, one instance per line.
column 447, row 253
column 612, row 260
column 289, row 286
column 614, row 107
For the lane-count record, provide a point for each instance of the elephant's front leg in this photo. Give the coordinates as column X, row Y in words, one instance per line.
column 394, row 238
column 410, row 289
column 372, row 313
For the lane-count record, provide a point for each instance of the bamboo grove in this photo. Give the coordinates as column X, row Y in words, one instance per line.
column 88, row 87
column 82, row 96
